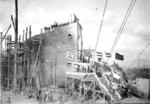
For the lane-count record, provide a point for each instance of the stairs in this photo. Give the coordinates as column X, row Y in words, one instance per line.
column 105, row 85
column 98, row 77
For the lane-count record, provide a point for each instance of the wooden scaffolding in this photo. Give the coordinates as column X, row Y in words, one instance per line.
column 87, row 82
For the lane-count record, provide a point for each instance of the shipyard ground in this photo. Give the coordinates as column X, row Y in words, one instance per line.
column 22, row 99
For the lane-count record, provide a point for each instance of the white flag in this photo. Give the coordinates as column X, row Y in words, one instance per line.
column 69, row 55
column 108, row 55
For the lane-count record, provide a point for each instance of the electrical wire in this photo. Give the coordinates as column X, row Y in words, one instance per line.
column 123, row 24
column 139, row 54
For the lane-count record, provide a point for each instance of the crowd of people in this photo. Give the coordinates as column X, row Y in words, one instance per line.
column 54, row 26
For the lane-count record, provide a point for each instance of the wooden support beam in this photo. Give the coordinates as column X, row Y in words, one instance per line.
column 24, row 57
column 51, row 62
column 26, row 34
column 9, row 51
column 22, row 64
column 55, row 67
column 41, row 31
column 30, row 32
column 28, row 67
column 19, row 38
column 23, row 36
column 15, row 68
column 0, row 66
column 5, row 44
column 34, row 71
column 26, row 53
column 16, row 23
column 80, row 89
column 12, row 19
column 19, row 61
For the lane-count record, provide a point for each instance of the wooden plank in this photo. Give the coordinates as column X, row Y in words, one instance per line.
column 83, row 76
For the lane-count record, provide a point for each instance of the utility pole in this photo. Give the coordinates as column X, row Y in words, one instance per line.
column 16, row 41
column 0, row 66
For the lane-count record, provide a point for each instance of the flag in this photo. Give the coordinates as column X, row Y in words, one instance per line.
column 108, row 55
column 99, row 56
column 69, row 55
column 75, row 19
column 119, row 56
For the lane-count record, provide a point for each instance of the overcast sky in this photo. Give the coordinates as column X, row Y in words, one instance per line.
column 135, row 36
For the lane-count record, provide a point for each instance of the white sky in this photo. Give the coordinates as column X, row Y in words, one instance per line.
column 135, row 36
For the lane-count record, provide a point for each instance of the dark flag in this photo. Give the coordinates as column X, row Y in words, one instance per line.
column 119, row 56
column 75, row 19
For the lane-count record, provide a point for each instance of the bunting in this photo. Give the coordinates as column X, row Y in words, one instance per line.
column 119, row 56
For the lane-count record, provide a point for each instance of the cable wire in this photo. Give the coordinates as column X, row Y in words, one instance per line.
column 123, row 24
column 139, row 54
column 101, row 24
column 6, row 33
column 24, row 6
column 100, row 29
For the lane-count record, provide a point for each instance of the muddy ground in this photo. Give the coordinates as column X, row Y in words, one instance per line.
column 8, row 97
